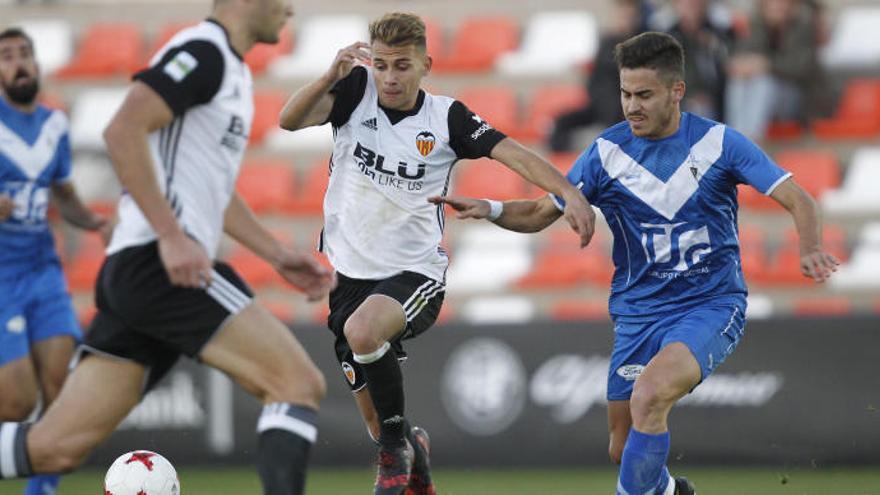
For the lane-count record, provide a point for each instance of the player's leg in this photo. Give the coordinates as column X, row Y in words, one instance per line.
column 619, row 423
column 95, row 398
column 264, row 357
column 18, row 383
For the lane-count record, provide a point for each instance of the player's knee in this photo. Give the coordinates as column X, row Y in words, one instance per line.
column 360, row 335
column 18, row 405
column 650, row 397
column 307, row 386
column 51, row 455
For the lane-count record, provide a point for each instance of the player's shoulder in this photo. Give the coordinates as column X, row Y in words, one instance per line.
column 207, row 39
column 619, row 133
column 53, row 116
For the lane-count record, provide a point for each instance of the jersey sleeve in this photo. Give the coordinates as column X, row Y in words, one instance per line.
column 187, row 75
column 750, row 165
column 64, row 157
column 469, row 135
column 582, row 176
column 348, row 93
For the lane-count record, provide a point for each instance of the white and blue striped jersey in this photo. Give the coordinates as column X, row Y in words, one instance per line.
column 672, row 209
column 34, row 154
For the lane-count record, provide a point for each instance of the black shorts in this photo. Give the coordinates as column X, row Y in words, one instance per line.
column 420, row 296
column 143, row 318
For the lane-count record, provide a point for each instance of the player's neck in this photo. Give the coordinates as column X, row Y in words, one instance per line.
column 672, row 127
column 239, row 38
column 21, row 107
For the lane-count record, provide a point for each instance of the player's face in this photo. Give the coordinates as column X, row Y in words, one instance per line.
column 19, row 76
column 650, row 105
column 270, row 17
column 399, row 71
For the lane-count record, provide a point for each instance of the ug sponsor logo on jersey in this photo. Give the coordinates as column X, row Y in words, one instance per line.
column 425, row 142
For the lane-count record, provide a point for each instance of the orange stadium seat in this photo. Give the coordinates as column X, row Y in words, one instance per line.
column 268, row 186
column 262, row 54
column 310, row 199
column 786, row 266
column 82, row 270
column 107, row 50
column 561, row 263
column 579, row 310
column 822, row 306
column 495, row 104
column 783, row 130
column 753, row 251
column 546, row 104
column 477, row 43
column 815, row 170
column 485, row 178
column 857, row 116
column 267, row 107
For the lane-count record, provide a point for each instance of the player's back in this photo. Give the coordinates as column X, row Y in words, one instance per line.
column 34, row 154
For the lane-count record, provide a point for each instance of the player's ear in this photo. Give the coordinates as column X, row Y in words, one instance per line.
column 429, row 62
column 678, row 90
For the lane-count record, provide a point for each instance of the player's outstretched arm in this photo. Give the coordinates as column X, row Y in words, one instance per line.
column 519, row 215
column 816, row 263
column 75, row 212
column 297, row 267
column 311, row 104
column 578, row 212
column 142, row 112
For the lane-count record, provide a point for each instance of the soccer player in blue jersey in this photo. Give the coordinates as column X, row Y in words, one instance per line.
column 38, row 328
column 666, row 183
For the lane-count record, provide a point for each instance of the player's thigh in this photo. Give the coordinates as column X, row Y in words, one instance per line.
column 264, row 357
column 377, row 320
column 671, row 374
column 18, row 388
column 97, row 396
column 710, row 333
column 619, row 423
column 51, row 360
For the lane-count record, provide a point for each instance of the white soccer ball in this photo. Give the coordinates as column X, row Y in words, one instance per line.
column 141, row 472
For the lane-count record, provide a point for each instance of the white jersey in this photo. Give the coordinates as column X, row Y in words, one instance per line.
column 197, row 157
column 385, row 165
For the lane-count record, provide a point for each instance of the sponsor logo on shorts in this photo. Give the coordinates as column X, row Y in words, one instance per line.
column 16, row 324
column 349, row 373
column 630, row 372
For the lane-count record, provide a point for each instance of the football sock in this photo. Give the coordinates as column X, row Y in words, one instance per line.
column 14, row 460
column 385, row 383
column 286, row 433
column 642, row 466
column 44, row 484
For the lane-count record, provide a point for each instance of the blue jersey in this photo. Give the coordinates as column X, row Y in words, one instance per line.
column 34, row 154
column 671, row 206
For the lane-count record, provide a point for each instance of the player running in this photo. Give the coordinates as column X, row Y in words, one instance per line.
column 394, row 146
column 666, row 183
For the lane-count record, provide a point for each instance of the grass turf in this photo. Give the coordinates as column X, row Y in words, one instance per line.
column 709, row 481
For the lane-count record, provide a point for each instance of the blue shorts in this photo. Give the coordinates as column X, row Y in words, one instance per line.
column 34, row 308
column 710, row 332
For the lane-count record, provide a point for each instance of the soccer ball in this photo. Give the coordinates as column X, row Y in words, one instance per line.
column 141, row 472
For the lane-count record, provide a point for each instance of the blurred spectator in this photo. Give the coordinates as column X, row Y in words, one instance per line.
column 774, row 72
column 707, row 42
column 603, row 85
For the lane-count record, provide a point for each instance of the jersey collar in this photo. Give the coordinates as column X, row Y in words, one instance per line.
column 396, row 116
column 226, row 34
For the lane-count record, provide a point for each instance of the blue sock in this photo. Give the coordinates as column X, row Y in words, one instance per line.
column 43, row 484
column 642, row 467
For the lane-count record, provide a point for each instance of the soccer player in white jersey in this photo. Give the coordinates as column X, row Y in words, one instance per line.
column 394, row 146
column 666, row 182
column 177, row 143
column 38, row 328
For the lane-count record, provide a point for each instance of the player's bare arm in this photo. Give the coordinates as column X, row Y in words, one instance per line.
column 816, row 263
column 297, row 267
column 72, row 208
column 311, row 105
column 578, row 212
column 519, row 215
column 6, row 206
column 142, row 112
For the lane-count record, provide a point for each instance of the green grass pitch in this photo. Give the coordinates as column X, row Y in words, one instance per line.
column 588, row 481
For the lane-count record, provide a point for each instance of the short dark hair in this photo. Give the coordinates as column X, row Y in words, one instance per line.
column 652, row 50
column 16, row 32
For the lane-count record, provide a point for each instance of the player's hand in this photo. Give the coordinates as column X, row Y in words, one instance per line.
column 580, row 216
column 305, row 272
column 818, row 265
column 346, row 59
column 465, row 207
column 185, row 261
column 6, row 207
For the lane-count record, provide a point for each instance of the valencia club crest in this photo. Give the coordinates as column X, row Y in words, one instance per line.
column 425, row 142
